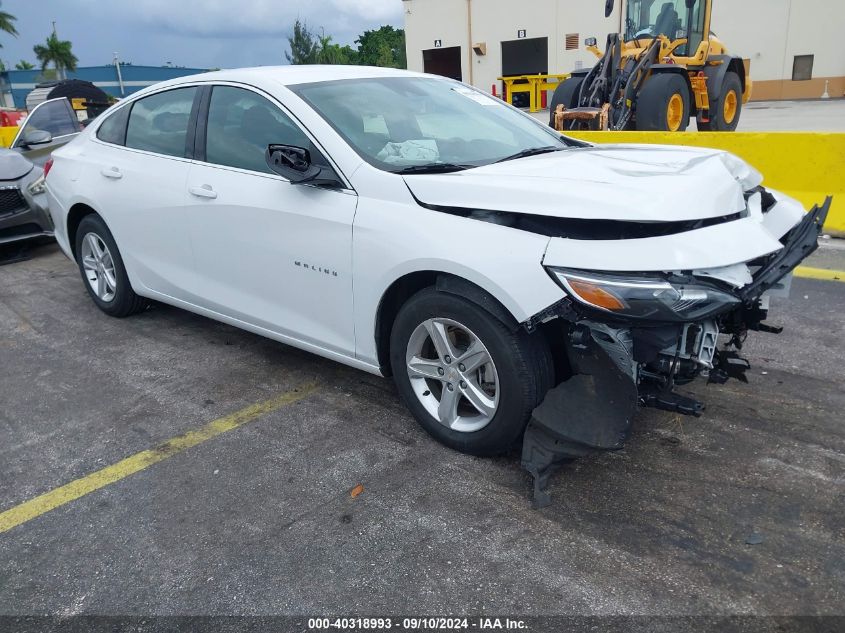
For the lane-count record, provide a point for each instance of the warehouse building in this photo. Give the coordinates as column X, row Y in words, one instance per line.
column 792, row 45
column 117, row 81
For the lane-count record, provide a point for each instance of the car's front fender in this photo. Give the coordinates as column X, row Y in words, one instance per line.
column 393, row 240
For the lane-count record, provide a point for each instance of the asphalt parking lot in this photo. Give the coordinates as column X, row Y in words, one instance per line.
column 738, row 512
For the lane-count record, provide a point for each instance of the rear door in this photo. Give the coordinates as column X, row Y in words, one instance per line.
column 136, row 177
column 268, row 252
column 55, row 116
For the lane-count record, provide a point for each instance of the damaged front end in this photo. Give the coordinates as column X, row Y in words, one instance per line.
column 631, row 338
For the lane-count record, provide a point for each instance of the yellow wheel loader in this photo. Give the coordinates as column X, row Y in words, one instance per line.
column 663, row 70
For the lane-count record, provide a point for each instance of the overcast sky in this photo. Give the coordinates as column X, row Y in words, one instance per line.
column 193, row 33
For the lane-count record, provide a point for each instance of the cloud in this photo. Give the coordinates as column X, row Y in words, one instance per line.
column 262, row 18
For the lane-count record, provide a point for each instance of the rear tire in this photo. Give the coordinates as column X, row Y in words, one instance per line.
column 102, row 269
column 567, row 94
column 724, row 114
column 663, row 104
column 520, row 366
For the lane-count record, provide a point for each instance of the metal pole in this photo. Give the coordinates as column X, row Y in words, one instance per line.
column 621, row 12
column 119, row 75
column 469, row 38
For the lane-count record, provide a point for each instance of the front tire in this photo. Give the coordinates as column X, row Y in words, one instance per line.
column 664, row 104
column 469, row 380
column 567, row 93
column 102, row 269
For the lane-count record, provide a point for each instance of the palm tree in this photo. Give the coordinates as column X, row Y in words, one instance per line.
column 58, row 52
column 24, row 65
column 7, row 24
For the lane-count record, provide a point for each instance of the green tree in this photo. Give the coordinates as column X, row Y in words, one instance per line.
column 24, row 65
column 57, row 52
column 304, row 46
column 382, row 47
column 7, row 24
column 330, row 53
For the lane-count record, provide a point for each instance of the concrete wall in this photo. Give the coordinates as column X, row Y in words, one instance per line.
column 497, row 21
column 772, row 32
column 430, row 20
column 768, row 32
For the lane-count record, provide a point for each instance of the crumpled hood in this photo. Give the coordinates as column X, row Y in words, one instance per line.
column 644, row 183
column 13, row 165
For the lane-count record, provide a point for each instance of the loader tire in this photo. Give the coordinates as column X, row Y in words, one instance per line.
column 566, row 93
column 724, row 113
column 663, row 104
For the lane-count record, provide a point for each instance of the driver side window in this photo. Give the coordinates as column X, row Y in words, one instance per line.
column 56, row 117
column 241, row 124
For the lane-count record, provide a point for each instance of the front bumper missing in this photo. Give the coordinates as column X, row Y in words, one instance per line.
column 799, row 244
column 593, row 410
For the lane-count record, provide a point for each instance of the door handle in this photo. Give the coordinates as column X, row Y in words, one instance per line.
column 112, row 172
column 203, row 192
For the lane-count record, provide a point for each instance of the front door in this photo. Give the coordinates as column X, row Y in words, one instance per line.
column 268, row 252
column 55, row 117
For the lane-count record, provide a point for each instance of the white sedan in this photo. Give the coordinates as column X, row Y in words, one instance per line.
column 517, row 285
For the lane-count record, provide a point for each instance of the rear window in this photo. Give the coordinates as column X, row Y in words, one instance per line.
column 159, row 123
column 113, row 129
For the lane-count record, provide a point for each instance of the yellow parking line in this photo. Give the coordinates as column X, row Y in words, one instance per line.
column 57, row 497
column 820, row 273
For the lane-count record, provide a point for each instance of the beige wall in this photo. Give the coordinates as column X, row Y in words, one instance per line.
column 768, row 32
column 496, row 21
column 429, row 20
column 772, row 32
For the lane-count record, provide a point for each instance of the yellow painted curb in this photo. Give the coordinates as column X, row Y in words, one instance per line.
column 808, row 272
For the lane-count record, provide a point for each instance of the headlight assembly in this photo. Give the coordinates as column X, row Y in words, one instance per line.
column 646, row 298
column 38, row 186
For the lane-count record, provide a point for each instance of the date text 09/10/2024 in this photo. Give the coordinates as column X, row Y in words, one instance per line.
column 417, row 623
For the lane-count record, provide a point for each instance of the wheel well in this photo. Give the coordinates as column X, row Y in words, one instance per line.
column 716, row 74
column 405, row 287
column 737, row 66
column 74, row 217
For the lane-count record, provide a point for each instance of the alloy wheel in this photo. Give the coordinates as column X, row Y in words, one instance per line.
column 452, row 374
column 98, row 265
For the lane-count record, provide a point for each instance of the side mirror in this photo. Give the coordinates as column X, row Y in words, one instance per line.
column 608, row 8
column 292, row 162
column 36, row 137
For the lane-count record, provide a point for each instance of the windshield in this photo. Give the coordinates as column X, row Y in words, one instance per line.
column 649, row 18
column 407, row 124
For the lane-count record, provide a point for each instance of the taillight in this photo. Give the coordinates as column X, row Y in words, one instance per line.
column 48, row 166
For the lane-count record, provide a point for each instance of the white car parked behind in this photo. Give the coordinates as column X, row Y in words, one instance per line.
column 409, row 225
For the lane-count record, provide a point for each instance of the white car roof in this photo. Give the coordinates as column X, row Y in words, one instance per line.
column 291, row 74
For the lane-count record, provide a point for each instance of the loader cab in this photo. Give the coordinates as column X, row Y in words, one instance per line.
column 674, row 19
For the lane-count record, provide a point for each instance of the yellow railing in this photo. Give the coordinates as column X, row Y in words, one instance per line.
column 534, row 85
